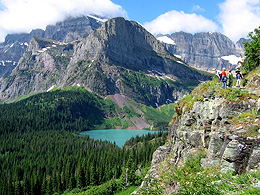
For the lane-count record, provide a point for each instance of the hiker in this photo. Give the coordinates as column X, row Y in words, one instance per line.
column 218, row 73
column 239, row 77
column 223, row 72
column 230, row 78
column 219, row 76
column 224, row 78
column 224, row 81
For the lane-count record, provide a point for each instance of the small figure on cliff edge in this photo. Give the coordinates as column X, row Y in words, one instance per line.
column 230, row 78
column 238, row 77
column 224, row 78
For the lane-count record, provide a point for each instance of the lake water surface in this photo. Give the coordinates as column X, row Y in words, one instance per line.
column 120, row 136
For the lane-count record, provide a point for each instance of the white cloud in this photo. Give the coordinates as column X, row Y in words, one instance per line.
column 197, row 8
column 25, row 15
column 239, row 17
column 175, row 21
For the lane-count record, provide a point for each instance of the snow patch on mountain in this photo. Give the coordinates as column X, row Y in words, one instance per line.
column 97, row 18
column 167, row 40
column 52, row 87
column 232, row 59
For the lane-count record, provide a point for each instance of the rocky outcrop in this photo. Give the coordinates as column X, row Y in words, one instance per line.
column 205, row 51
column 227, row 131
column 120, row 57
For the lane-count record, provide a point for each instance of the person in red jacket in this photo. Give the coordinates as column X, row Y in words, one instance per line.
column 224, row 78
column 224, row 72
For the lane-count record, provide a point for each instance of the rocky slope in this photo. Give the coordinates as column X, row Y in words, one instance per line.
column 14, row 46
column 204, row 51
column 119, row 57
column 223, row 124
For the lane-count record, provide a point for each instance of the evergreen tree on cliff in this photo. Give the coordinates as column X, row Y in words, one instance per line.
column 252, row 51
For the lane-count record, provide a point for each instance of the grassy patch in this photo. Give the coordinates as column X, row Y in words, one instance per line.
column 193, row 179
column 127, row 191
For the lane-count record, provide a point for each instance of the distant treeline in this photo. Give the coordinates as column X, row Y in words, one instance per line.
column 75, row 110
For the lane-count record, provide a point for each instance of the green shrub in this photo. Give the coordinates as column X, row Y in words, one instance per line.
column 252, row 48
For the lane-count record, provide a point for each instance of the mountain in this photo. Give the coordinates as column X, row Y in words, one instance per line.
column 14, row 46
column 119, row 57
column 205, row 51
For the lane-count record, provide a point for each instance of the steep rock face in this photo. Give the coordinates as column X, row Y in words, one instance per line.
column 14, row 46
column 206, row 51
column 118, row 48
column 41, row 67
column 72, row 29
column 207, row 126
column 12, row 49
column 119, row 57
column 123, row 43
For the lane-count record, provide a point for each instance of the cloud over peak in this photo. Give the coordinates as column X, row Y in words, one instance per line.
column 174, row 21
column 25, row 15
column 239, row 17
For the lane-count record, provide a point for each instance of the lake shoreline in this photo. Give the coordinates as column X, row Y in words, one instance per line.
column 119, row 136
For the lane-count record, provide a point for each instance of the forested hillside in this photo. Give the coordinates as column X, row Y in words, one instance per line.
column 41, row 151
column 75, row 109
column 46, row 162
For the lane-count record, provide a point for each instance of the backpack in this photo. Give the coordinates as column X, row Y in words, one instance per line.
column 238, row 76
column 224, row 78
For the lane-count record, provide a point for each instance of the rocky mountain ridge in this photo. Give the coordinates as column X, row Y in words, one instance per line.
column 119, row 57
column 14, row 46
column 205, row 51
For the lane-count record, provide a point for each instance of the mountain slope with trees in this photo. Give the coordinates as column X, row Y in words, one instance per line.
column 41, row 151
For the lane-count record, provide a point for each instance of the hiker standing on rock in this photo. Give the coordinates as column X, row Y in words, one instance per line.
column 239, row 77
column 224, row 78
column 230, row 78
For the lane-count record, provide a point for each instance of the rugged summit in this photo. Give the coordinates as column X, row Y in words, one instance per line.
column 205, row 51
column 120, row 57
column 14, row 46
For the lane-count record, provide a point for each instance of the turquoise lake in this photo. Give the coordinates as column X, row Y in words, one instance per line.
column 119, row 136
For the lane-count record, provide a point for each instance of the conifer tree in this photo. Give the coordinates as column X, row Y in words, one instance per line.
column 81, row 178
column 252, row 51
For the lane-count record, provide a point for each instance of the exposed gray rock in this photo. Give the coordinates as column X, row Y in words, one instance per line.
column 210, row 162
column 14, row 46
column 258, row 106
column 254, row 161
column 225, row 144
column 215, row 145
column 205, row 50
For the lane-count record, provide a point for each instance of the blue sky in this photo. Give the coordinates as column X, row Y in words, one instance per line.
column 145, row 10
column 234, row 18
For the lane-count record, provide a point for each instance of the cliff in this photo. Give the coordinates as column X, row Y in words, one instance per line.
column 223, row 126
column 205, row 51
